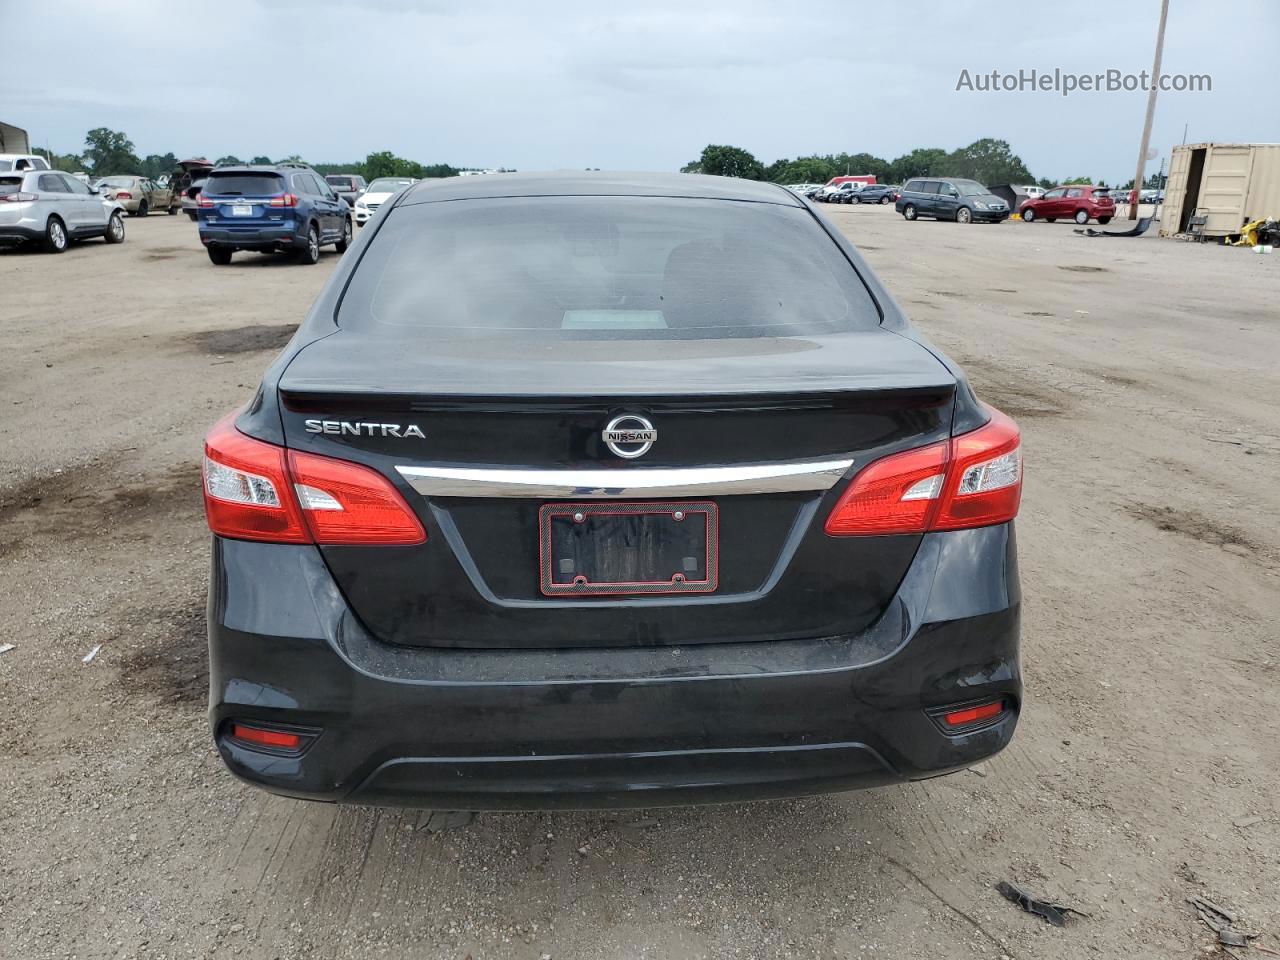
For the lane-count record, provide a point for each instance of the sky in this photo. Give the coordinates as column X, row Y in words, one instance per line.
column 637, row 86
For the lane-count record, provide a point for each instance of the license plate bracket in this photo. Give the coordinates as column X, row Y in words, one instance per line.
column 242, row 210
column 628, row 549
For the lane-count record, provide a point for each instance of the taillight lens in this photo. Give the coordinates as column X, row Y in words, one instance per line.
column 18, row 197
column 895, row 494
column 123, row 195
column 286, row 200
column 246, row 488
column 258, row 491
column 973, row 480
column 345, row 502
column 984, row 482
column 203, row 201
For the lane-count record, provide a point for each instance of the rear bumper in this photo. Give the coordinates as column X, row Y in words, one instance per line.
column 21, row 232
column 255, row 238
column 591, row 728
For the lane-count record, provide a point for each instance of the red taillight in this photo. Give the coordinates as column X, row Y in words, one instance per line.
column 345, row 502
column 258, row 491
column 973, row 480
column 971, row 715
column 18, row 197
column 266, row 738
column 203, row 201
column 895, row 494
column 287, row 200
column 247, row 495
column 123, row 195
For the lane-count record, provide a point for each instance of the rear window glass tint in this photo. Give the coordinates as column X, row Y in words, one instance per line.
column 243, row 184
column 10, row 185
column 339, row 183
column 628, row 268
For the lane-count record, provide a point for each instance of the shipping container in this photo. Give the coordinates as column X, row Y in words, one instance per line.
column 13, row 139
column 1229, row 183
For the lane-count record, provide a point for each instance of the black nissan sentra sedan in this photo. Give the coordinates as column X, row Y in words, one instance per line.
column 596, row 490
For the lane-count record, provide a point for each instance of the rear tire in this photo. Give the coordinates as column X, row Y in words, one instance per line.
column 1028, row 216
column 909, row 212
column 55, row 236
column 341, row 245
column 856, row 198
column 115, row 229
column 218, row 255
column 964, row 215
column 192, row 215
column 172, row 211
column 1082, row 217
column 143, row 209
column 309, row 253
column 884, row 199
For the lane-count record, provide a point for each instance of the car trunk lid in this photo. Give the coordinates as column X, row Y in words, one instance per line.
column 797, row 414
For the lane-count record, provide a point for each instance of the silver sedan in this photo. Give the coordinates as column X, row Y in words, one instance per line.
column 53, row 209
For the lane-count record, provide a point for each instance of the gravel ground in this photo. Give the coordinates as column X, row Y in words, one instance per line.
column 1144, row 374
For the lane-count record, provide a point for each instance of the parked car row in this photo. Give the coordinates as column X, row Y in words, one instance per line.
column 872, row 193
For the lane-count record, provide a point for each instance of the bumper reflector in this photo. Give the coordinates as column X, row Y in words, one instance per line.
column 258, row 736
column 972, row 715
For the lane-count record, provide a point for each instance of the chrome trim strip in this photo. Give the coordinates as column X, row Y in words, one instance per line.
column 661, row 482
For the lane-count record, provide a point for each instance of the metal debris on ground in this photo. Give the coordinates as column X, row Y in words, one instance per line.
column 6, row 647
column 1055, row 913
column 88, row 657
column 1136, row 231
column 1221, row 921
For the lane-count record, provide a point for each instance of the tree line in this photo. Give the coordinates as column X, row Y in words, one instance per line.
column 989, row 161
column 110, row 152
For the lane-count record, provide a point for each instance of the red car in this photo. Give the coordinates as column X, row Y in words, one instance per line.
column 1082, row 203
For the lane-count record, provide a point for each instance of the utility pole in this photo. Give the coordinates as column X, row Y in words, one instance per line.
column 1151, row 110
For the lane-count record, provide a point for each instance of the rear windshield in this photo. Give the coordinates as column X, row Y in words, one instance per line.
column 10, row 185
column 614, row 268
column 342, row 183
column 244, row 184
column 116, row 181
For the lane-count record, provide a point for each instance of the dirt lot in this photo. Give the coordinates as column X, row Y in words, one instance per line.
column 1144, row 374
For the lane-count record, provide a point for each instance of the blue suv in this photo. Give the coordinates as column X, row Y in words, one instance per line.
column 279, row 206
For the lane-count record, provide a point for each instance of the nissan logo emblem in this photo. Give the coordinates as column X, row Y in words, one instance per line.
column 629, row 436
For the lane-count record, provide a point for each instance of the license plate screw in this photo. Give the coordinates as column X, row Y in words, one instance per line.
column 678, row 515
column 579, row 518
column 678, row 578
column 579, row 581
